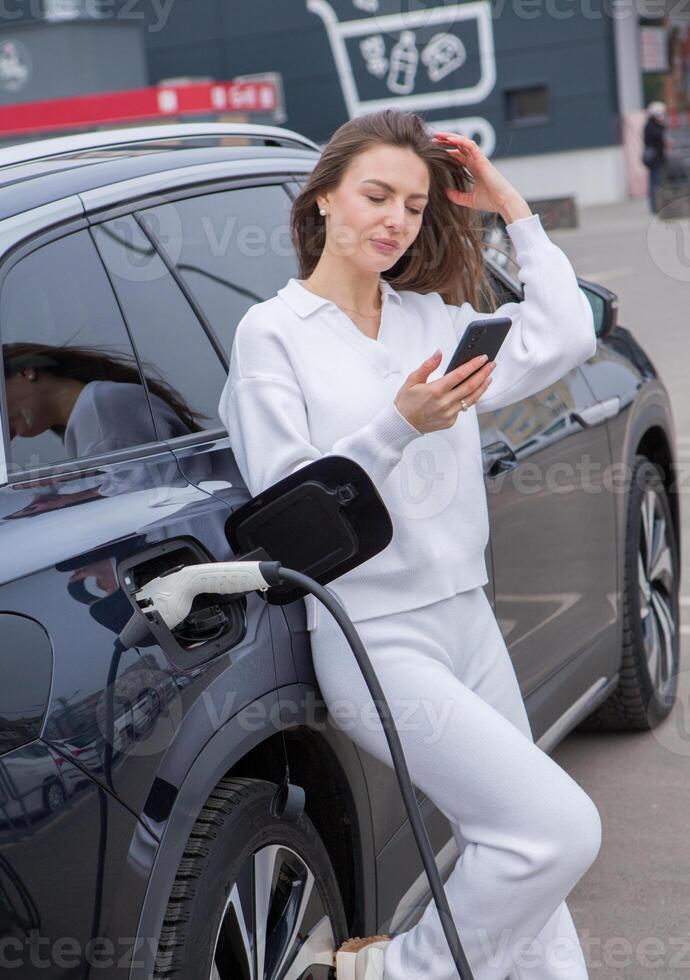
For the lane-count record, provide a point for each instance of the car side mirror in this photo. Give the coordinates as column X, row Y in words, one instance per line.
column 322, row 520
column 604, row 305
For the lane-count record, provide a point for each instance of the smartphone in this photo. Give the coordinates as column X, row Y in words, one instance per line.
column 480, row 337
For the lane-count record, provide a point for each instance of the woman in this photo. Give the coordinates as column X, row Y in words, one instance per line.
column 348, row 360
column 655, row 143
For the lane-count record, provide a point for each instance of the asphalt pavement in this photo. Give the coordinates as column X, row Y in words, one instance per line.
column 632, row 907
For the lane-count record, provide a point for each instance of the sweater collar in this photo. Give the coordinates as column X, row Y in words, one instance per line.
column 304, row 302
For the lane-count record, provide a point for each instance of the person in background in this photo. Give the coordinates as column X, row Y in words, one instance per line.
column 655, row 145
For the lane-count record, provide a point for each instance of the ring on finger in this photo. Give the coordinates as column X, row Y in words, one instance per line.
column 463, row 404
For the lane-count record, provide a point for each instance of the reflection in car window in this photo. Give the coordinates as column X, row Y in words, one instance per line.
column 72, row 384
column 232, row 248
column 168, row 337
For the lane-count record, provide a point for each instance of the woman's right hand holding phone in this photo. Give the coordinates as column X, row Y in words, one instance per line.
column 436, row 404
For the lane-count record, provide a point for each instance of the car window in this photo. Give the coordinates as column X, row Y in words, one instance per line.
column 172, row 345
column 72, row 383
column 232, row 248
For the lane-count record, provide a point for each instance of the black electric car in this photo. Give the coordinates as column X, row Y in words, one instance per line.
column 127, row 257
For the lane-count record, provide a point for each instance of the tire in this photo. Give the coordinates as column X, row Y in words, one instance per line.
column 649, row 665
column 239, row 857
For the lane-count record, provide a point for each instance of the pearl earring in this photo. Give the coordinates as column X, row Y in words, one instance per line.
column 321, row 211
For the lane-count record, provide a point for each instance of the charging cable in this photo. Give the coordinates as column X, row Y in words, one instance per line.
column 170, row 596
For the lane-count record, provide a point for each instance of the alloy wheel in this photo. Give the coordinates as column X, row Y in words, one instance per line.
column 274, row 924
column 656, row 583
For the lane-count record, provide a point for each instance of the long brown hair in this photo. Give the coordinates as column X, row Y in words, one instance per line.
column 86, row 364
column 448, row 255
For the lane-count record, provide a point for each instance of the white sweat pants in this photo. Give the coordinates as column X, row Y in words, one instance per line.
column 526, row 831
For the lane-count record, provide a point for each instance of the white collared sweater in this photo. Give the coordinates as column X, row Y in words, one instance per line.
column 304, row 382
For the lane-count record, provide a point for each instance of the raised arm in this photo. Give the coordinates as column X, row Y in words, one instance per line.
column 553, row 326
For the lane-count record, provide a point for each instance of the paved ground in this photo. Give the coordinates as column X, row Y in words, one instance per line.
column 632, row 908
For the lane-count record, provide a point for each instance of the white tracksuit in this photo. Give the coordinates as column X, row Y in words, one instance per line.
column 526, row 830
column 305, row 382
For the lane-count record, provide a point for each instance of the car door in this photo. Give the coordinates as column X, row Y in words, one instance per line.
column 552, row 533
column 85, row 483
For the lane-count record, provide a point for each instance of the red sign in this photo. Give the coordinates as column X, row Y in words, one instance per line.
column 135, row 104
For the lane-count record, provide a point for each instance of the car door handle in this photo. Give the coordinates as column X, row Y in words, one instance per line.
column 598, row 412
column 497, row 458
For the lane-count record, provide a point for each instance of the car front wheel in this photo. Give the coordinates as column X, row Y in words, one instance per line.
column 254, row 896
column 649, row 666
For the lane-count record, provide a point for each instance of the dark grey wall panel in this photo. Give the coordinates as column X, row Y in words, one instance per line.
column 54, row 61
column 563, row 45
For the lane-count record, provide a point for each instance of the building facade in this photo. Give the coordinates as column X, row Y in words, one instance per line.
column 537, row 91
column 552, row 90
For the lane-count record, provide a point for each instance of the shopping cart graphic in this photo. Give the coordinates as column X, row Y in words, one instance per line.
column 431, row 58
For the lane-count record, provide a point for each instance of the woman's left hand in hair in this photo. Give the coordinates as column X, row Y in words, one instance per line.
column 491, row 191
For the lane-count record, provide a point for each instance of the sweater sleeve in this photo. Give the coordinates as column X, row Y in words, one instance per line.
column 266, row 419
column 553, row 326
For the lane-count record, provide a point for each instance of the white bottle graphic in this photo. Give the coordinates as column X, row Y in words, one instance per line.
column 403, row 64
column 348, row 24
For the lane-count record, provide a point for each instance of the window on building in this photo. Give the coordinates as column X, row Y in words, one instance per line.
column 527, row 105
